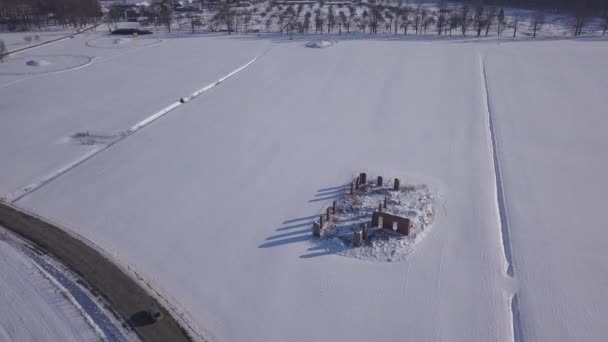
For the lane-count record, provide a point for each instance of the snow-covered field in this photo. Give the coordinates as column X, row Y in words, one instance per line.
column 115, row 90
column 213, row 202
column 551, row 123
column 18, row 40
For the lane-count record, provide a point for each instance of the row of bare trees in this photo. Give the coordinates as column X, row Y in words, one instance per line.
column 375, row 16
column 23, row 15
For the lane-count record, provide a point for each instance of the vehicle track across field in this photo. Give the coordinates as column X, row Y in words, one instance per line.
column 30, row 188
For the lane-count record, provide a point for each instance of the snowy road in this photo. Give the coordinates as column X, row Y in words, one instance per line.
column 33, row 308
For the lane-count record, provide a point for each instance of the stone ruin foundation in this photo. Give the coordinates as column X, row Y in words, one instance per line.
column 374, row 219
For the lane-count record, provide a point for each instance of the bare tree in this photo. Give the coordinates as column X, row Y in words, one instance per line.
column 580, row 14
column 417, row 20
column 605, row 20
column 225, row 15
column 299, row 25
column 195, row 22
column 404, row 19
column 464, row 18
column 424, row 14
column 352, row 14
column 479, row 18
column 306, row 23
column 318, row 21
column 115, row 14
column 490, row 17
column 375, row 16
column 3, row 51
column 331, row 19
column 500, row 22
column 538, row 20
column 428, row 20
column 341, row 21
column 247, row 17
column 165, row 15
column 515, row 24
column 362, row 21
column 288, row 20
column 442, row 20
column 388, row 14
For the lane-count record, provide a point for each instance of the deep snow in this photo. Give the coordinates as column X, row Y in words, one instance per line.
column 213, row 202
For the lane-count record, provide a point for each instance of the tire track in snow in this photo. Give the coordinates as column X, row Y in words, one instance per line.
column 501, row 203
column 516, row 320
column 30, row 188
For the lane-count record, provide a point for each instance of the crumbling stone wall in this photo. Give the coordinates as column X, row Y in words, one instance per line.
column 403, row 223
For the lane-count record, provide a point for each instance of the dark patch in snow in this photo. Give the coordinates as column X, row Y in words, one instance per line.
column 95, row 138
column 44, row 64
column 321, row 44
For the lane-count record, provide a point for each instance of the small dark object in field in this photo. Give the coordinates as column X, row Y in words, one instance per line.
column 131, row 31
column 379, row 182
column 396, row 184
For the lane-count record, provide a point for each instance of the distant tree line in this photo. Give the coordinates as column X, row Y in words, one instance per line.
column 22, row 15
column 463, row 17
column 477, row 17
column 581, row 11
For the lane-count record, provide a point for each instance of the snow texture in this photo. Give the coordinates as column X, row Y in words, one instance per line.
column 117, row 90
column 163, row 202
column 213, row 203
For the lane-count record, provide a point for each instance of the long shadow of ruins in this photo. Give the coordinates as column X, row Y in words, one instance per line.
column 367, row 219
column 299, row 229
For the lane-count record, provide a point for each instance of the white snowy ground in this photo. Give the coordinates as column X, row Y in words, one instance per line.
column 118, row 88
column 33, row 308
column 549, row 103
column 213, row 202
column 17, row 40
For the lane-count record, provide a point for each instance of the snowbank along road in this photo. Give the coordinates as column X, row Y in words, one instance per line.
column 124, row 293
